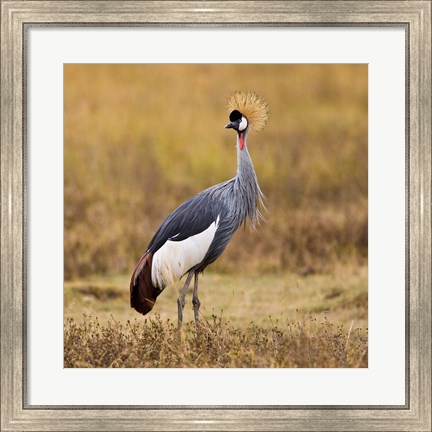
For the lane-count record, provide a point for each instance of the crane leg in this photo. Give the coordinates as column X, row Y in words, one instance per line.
column 181, row 299
column 195, row 301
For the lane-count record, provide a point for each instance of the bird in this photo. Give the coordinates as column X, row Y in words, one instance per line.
column 196, row 233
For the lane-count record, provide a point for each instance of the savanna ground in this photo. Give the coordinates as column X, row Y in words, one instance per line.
column 140, row 139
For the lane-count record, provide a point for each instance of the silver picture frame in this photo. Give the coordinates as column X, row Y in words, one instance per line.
column 16, row 19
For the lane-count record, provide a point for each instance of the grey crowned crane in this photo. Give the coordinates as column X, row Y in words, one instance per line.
column 197, row 232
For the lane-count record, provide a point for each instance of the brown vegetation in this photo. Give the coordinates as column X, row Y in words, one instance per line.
column 340, row 296
column 215, row 343
column 140, row 139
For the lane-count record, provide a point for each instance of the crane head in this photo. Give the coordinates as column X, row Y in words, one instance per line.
column 237, row 121
column 249, row 105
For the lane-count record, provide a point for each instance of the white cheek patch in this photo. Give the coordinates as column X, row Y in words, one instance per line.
column 243, row 124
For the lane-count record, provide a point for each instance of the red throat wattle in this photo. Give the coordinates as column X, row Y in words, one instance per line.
column 241, row 141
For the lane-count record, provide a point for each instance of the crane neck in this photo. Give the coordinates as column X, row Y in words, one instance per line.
column 244, row 162
column 246, row 186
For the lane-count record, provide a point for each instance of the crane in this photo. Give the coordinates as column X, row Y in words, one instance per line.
column 198, row 231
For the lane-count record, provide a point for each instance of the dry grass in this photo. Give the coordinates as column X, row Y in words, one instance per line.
column 140, row 139
column 215, row 343
column 248, row 320
column 341, row 297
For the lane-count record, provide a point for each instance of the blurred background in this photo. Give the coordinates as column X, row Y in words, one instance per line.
column 141, row 139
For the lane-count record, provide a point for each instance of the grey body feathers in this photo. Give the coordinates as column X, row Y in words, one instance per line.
column 233, row 201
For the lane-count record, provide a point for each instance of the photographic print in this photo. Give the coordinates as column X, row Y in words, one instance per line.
column 216, row 215
column 113, row 117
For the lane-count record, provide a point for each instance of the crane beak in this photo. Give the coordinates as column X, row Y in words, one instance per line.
column 229, row 126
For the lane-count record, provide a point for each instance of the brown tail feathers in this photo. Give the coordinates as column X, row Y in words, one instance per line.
column 142, row 292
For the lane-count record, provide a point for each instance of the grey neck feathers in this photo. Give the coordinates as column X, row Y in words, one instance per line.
column 246, row 185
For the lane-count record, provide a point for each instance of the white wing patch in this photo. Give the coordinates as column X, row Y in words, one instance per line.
column 175, row 258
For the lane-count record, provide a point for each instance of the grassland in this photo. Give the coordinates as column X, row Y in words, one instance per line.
column 278, row 320
column 140, row 139
column 340, row 297
column 214, row 343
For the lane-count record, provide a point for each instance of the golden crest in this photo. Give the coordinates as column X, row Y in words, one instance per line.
column 252, row 106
